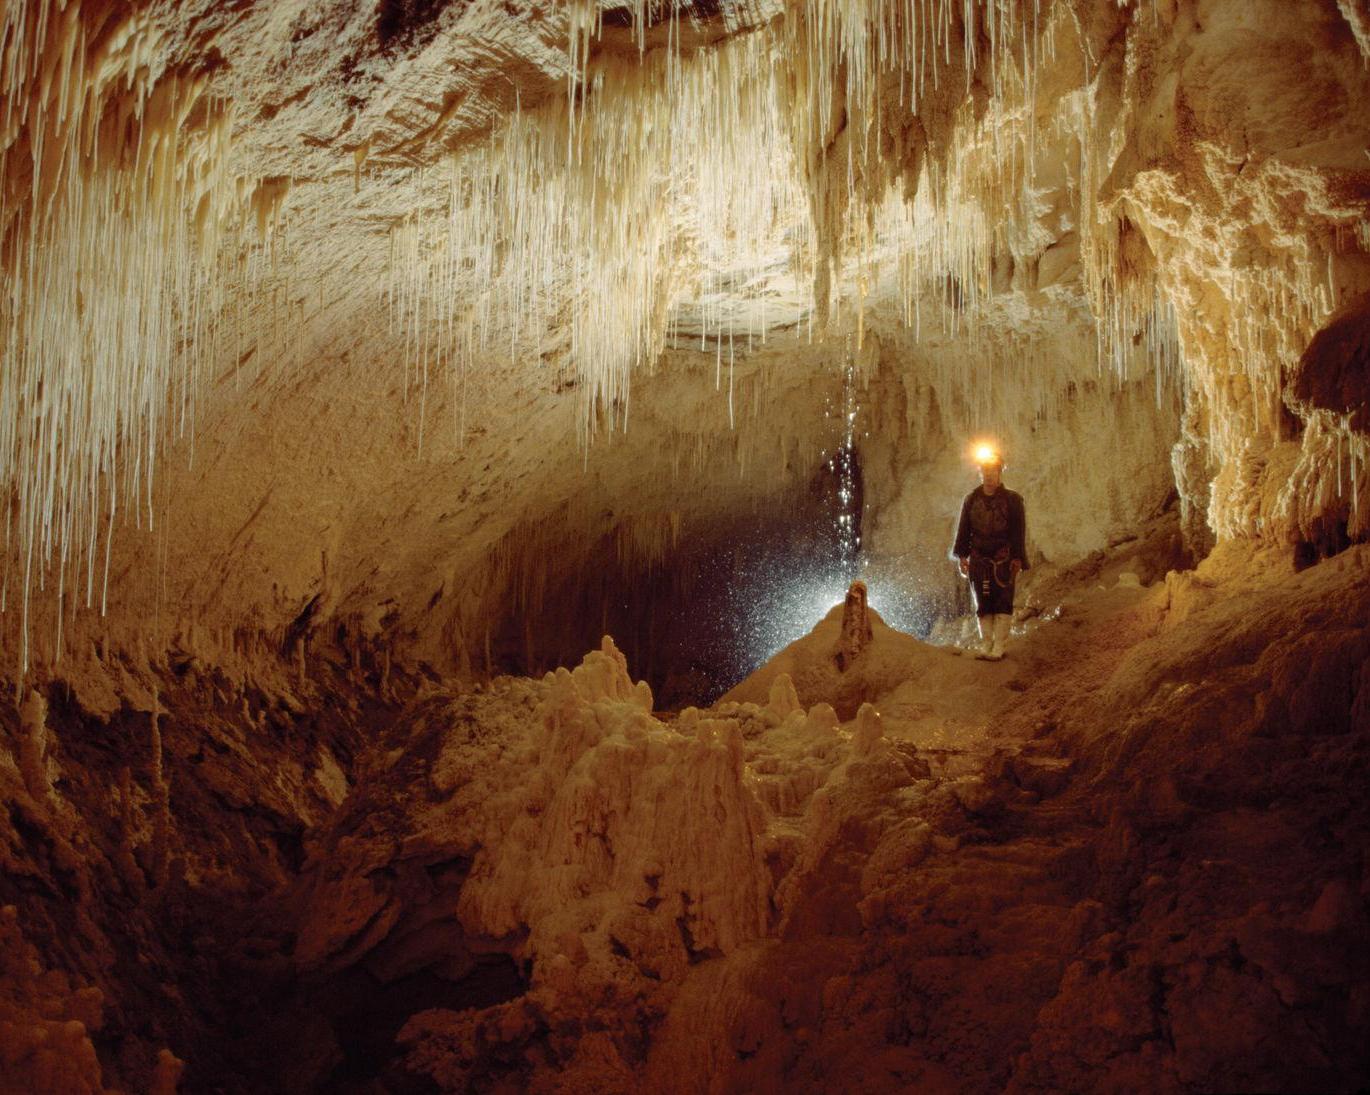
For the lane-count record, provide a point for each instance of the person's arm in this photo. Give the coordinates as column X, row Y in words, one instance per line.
column 1018, row 532
column 960, row 549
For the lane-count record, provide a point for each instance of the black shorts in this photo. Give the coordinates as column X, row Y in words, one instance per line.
column 991, row 584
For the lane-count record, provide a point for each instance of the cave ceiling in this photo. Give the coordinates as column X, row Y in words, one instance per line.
column 333, row 302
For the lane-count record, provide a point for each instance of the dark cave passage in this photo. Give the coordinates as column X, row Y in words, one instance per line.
column 718, row 606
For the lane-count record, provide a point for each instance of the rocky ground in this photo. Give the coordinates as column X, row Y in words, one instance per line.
column 1130, row 856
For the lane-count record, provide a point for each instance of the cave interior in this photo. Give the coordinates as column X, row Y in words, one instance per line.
column 479, row 478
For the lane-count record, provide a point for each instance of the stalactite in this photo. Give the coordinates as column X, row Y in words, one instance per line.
column 696, row 164
column 677, row 175
column 596, row 225
column 112, row 196
column 681, row 195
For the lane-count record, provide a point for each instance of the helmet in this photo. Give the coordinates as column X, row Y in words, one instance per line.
column 987, row 455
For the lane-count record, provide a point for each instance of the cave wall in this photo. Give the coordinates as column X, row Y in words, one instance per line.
column 322, row 523
column 1146, row 171
column 1245, row 175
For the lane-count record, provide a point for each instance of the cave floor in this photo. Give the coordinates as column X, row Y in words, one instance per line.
column 1130, row 856
column 1050, row 665
column 1138, row 850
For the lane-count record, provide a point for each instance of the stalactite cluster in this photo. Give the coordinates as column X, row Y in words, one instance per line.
column 112, row 198
column 683, row 177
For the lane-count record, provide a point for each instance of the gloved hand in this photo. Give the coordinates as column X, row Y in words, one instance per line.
column 963, row 565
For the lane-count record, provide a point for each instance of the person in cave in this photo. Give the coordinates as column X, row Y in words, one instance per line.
column 989, row 551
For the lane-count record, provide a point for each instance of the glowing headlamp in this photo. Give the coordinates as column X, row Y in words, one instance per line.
column 986, row 454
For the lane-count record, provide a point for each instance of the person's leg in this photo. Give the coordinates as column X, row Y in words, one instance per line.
column 1000, row 606
column 1002, row 622
column 985, row 624
column 982, row 589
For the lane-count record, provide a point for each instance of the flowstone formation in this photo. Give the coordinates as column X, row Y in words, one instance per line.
column 1127, row 855
column 977, row 880
column 605, row 852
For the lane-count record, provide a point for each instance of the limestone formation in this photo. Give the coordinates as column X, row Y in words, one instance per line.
column 33, row 747
column 856, row 627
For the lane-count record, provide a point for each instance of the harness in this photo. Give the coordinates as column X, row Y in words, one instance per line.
column 985, row 573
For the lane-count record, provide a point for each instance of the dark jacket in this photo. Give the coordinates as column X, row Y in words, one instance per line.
column 992, row 525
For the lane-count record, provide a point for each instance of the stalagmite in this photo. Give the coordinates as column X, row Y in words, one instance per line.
column 159, row 852
column 869, row 730
column 856, row 627
column 33, row 747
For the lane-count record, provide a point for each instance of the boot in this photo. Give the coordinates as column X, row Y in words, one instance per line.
column 1000, row 636
column 984, row 650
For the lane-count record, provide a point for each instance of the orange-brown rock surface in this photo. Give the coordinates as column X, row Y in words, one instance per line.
column 1079, row 875
column 1128, row 855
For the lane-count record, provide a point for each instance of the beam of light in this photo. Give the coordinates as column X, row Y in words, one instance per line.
column 902, row 609
column 789, row 610
column 792, row 603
